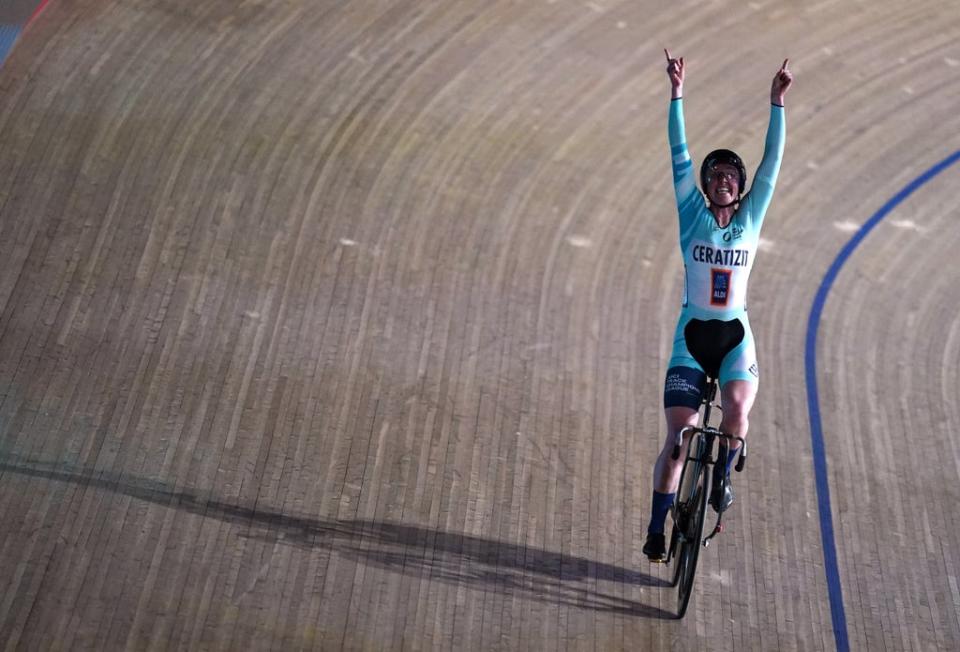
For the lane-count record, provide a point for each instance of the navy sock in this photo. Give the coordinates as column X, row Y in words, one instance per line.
column 658, row 511
column 732, row 455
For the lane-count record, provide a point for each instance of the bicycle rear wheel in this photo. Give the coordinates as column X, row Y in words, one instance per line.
column 674, row 552
column 690, row 543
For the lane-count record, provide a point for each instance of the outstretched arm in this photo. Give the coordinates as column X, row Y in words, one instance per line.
column 684, row 181
column 766, row 178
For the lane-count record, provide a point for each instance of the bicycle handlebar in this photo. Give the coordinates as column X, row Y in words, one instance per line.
column 683, row 431
column 676, row 447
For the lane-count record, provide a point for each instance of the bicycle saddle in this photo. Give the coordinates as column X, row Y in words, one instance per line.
column 710, row 341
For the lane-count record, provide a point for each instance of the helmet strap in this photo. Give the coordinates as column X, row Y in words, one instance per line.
column 734, row 202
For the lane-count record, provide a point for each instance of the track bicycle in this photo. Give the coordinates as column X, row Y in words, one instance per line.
column 690, row 506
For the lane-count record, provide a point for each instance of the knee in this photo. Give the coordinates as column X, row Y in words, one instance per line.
column 666, row 456
column 736, row 419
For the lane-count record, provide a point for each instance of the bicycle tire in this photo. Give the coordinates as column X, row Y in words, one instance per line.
column 674, row 554
column 690, row 548
column 678, row 545
column 682, row 543
column 684, row 505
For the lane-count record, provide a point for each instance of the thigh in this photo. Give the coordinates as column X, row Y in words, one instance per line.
column 683, row 389
column 741, row 362
column 677, row 419
column 680, row 355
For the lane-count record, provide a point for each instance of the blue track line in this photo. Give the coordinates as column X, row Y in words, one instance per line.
column 813, row 401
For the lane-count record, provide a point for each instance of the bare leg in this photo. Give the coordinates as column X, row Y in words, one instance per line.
column 737, row 398
column 666, row 473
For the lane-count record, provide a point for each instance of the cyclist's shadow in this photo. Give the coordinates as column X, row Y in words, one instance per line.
column 467, row 560
column 438, row 555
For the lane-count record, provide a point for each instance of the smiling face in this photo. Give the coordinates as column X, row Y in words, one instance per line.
column 723, row 184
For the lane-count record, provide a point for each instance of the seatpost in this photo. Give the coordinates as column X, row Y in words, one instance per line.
column 708, row 399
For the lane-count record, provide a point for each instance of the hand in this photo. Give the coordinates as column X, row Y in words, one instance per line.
column 781, row 83
column 675, row 70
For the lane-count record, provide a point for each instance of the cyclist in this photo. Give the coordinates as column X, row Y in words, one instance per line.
column 719, row 232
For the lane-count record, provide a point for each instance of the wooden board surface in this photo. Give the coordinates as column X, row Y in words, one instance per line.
column 343, row 325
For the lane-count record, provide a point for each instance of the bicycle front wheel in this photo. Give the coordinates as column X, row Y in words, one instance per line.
column 685, row 505
column 690, row 542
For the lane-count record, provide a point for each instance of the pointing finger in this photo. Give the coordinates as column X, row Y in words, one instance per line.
column 784, row 66
column 667, row 52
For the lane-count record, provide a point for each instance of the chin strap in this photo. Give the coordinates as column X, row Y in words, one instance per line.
column 735, row 201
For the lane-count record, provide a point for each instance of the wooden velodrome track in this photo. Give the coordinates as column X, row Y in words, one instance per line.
column 343, row 325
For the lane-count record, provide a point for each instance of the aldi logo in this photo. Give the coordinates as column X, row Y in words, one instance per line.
column 720, row 287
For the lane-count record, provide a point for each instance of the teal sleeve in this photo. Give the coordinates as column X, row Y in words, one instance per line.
column 761, row 192
column 684, row 180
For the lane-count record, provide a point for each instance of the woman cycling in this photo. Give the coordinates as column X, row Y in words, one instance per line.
column 719, row 233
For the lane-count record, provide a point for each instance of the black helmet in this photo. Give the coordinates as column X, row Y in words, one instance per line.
column 723, row 156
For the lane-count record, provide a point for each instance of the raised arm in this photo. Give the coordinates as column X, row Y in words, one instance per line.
column 766, row 177
column 684, row 180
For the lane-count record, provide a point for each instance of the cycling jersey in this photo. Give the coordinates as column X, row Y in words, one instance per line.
column 717, row 261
